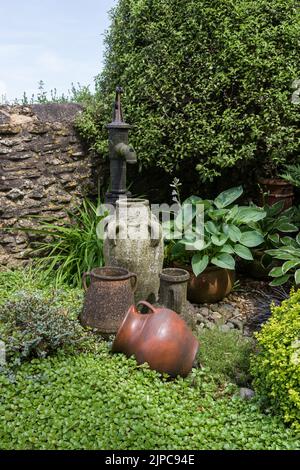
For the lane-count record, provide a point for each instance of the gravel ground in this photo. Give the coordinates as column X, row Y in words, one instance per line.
column 246, row 308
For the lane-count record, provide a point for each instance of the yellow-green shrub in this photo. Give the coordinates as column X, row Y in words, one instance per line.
column 276, row 368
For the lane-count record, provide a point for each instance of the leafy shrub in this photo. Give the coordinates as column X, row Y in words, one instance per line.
column 33, row 326
column 108, row 402
column 226, row 354
column 277, row 366
column 208, row 83
column 67, row 251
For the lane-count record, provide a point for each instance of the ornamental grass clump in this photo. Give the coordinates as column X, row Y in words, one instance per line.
column 276, row 368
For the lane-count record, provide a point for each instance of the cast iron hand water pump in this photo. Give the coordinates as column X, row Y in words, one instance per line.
column 120, row 153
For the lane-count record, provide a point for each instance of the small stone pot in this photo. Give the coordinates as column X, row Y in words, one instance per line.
column 160, row 337
column 173, row 288
column 109, row 296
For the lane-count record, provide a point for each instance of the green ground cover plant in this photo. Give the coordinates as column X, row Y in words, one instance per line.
column 106, row 401
column 276, row 369
column 89, row 398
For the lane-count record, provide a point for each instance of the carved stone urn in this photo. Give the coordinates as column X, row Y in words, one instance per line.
column 133, row 240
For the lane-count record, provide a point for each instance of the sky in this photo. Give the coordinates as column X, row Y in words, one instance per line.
column 56, row 41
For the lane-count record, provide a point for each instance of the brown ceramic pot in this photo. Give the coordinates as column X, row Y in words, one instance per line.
column 108, row 298
column 210, row 286
column 161, row 338
column 274, row 190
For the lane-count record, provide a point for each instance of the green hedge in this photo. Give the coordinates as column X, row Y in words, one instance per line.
column 277, row 367
column 208, row 83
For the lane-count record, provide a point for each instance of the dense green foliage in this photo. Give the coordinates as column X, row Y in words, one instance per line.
column 214, row 232
column 292, row 175
column 67, row 250
column 277, row 366
column 32, row 326
column 208, row 83
column 107, row 401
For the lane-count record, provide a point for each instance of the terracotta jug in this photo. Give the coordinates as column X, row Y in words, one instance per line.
column 161, row 338
column 108, row 298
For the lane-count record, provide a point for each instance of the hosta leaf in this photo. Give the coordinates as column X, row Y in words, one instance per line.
column 276, row 272
column 298, row 238
column 286, row 227
column 297, row 277
column 217, row 213
column 289, row 241
column 199, row 263
column 274, row 238
column 289, row 265
column 243, row 252
column 211, row 228
column 248, row 214
column 280, row 280
column 224, row 260
column 228, row 197
column 219, row 241
column 251, row 239
column 227, row 249
column 234, row 233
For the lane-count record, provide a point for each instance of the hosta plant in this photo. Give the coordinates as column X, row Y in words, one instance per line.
column 216, row 231
column 276, row 222
column 289, row 254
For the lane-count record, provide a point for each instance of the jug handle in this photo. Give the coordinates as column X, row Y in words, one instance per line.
column 134, row 283
column 147, row 304
column 84, row 276
column 155, row 229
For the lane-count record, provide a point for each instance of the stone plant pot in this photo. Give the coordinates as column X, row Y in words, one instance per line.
column 274, row 190
column 211, row 286
column 133, row 239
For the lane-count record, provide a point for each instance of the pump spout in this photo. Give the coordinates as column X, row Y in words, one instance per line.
column 126, row 151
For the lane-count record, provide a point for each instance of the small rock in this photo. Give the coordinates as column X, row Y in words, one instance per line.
column 237, row 323
column 215, row 307
column 224, row 328
column 227, row 310
column 209, row 324
column 15, row 194
column 230, row 325
column 204, row 311
column 217, row 318
column 200, row 318
column 246, row 393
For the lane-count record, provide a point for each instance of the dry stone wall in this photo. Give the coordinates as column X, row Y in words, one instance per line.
column 44, row 168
